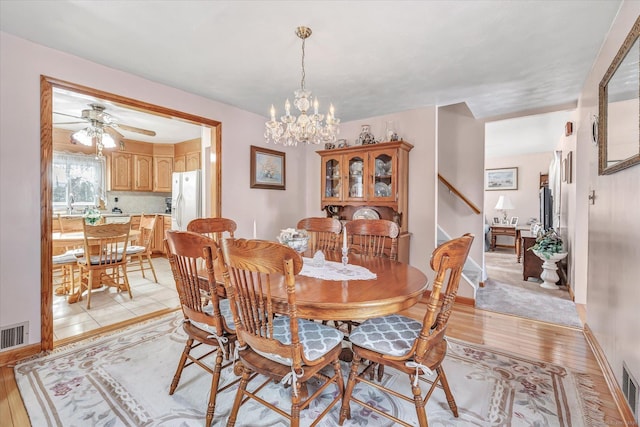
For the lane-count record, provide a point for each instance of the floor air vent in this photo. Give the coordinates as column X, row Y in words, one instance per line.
column 630, row 390
column 14, row 335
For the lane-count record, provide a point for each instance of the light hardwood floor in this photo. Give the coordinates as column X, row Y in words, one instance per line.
column 550, row 343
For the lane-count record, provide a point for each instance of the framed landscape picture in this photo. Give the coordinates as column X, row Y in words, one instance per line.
column 501, row 179
column 268, row 168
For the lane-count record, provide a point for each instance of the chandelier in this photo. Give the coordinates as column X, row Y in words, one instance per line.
column 94, row 132
column 308, row 129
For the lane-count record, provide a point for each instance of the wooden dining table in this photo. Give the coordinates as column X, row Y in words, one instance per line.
column 61, row 241
column 397, row 286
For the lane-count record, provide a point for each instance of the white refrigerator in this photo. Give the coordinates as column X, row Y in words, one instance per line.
column 185, row 199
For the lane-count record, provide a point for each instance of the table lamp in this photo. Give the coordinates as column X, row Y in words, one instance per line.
column 504, row 204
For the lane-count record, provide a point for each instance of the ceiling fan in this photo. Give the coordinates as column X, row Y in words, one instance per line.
column 102, row 121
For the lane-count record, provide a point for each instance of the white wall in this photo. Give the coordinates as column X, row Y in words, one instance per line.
column 417, row 127
column 613, row 228
column 21, row 64
column 460, row 161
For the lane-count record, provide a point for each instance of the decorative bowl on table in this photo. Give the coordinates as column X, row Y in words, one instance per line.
column 297, row 240
column 92, row 216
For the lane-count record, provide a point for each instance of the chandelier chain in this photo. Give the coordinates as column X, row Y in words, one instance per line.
column 303, row 73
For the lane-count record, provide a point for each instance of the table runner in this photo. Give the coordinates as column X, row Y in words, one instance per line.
column 331, row 270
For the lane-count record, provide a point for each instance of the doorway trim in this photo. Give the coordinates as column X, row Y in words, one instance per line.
column 46, row 155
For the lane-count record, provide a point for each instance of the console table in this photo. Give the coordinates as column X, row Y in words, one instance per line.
column 506, row 230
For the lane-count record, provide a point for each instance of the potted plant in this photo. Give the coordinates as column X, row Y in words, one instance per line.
column 92, row 216
column 549, row 249
column 547, row 244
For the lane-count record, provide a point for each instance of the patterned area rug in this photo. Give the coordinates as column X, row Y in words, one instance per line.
column 123, row 380
column 506, row 292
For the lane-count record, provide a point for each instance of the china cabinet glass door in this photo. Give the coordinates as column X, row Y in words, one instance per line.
column 357, row 184
column 332, row 183
column 383, row 167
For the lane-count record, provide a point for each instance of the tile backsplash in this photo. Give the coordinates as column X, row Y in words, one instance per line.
column 137, row 201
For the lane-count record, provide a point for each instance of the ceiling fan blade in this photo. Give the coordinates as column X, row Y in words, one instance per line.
column 68, row 115
column 69, row 123
column 135, row 129
column 114, row 133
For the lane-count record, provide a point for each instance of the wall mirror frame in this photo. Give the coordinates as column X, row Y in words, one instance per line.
column 619, row 108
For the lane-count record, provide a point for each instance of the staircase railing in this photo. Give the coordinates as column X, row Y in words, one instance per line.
column 461, row 196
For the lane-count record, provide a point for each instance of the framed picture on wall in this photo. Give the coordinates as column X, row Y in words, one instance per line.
column 267, row 168
column 501, row 179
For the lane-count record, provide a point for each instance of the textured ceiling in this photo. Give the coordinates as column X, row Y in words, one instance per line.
column 368, row 58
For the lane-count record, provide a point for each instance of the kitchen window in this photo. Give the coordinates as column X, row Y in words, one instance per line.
column 78, row 181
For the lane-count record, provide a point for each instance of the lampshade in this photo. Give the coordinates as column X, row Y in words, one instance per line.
column 504, row 203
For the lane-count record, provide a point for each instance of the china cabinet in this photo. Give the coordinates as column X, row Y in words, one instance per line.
column 373, row 176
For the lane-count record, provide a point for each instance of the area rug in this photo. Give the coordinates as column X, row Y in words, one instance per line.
column 123, row 379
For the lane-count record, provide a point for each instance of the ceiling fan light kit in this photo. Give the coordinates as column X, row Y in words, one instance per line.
column 308, row 129
column 101, row 129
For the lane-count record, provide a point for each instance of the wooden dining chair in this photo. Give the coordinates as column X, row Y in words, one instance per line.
column 71, row 224
column 324, row 233
column 372, row 237
column 375, row 237
column 142, row 251
column 215, row 228
column 104, row 260
column 65, row 265
column 407, row 345
column 207, row 323
column 279, row 347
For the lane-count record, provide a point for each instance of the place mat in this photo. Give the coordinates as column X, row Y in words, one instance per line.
column 332, row 270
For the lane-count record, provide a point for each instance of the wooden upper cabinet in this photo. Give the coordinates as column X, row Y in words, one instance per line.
column 179, row 164
column 142, row 172
column 192, row 161
column 162, row 170
column 121, row 171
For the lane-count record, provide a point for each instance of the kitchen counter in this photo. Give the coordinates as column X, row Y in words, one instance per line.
column 112, row 214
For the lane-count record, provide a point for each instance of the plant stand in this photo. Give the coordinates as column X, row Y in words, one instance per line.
column 549, row 268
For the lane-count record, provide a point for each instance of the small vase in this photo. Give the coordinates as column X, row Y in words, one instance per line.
column 366, row 137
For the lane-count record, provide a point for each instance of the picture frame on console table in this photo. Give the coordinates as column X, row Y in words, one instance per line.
column 501, row 179
column 268, row 168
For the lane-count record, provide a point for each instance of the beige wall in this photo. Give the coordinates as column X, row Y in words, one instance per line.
column 460, row 161
column 613, row 228
column 21, row 64
column 526, row 197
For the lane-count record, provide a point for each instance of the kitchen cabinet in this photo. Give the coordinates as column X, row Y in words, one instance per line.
column 120, row 171
column 192, row 161
column 179, row 164
column 162, row 170
column 142, row 172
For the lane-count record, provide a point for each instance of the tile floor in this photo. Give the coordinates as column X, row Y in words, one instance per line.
column 109, row 306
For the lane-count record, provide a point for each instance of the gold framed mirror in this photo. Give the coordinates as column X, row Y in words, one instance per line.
column 619, row 108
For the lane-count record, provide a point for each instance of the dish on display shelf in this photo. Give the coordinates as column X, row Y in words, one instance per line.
column 382, row 189
column 356, row 190
column 356, row 168
column 365, row 213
